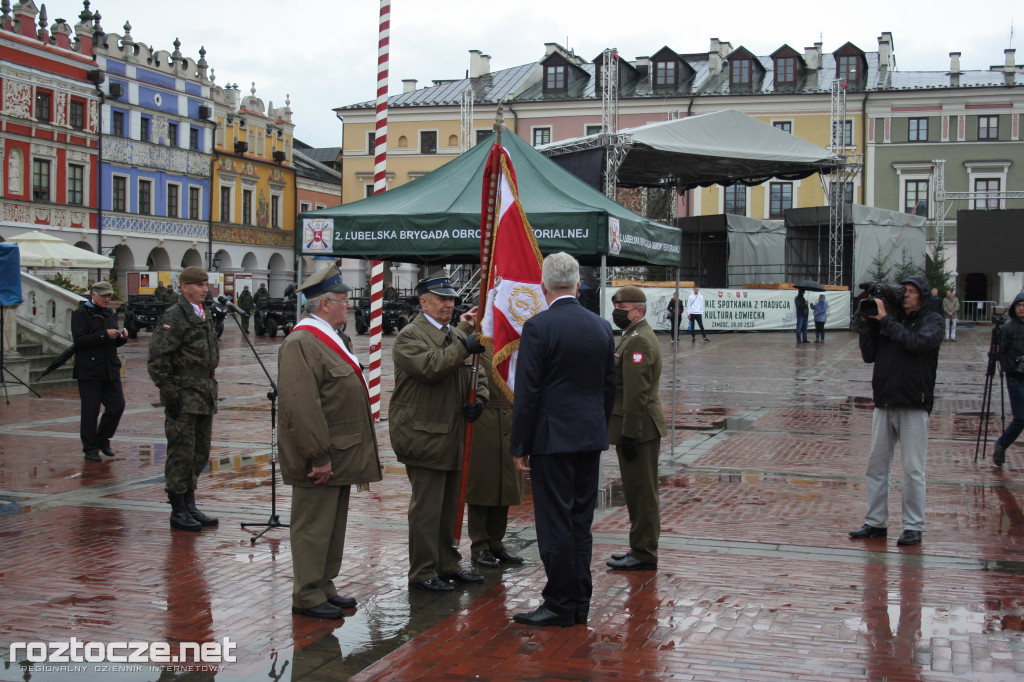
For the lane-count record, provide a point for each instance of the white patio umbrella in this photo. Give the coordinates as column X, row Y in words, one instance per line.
column 41, row 250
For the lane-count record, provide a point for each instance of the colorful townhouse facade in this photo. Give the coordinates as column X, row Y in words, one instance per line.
column 896, row 122
column 49, row 126
column 120, row 148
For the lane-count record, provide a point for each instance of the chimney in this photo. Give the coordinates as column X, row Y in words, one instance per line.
column 549, row 48
column 812, row 56
column 1009, row 61
column 479, row 64
column 715, row 57
column 886, row 58
column 954, row 63
column 409, row 85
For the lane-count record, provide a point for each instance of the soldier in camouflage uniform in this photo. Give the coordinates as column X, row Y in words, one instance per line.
column 246, row 303
column 183, row 355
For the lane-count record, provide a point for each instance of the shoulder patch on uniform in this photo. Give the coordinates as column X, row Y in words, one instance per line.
column 166, row 326
column 638, row 358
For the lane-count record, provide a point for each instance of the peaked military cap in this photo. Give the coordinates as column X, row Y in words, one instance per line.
column 437, row 283
column 324, row 281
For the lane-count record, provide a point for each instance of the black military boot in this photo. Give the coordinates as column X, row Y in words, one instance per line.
column 190, row 505
column 180, row 518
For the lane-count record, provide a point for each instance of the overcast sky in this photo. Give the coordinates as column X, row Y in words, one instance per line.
column 323, row 53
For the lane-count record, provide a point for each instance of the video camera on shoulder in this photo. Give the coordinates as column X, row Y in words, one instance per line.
column 891, row 295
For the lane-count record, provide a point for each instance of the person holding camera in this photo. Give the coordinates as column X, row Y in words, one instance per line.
column 905, row 351
column 636, row 427
column 1011, row 360
column 427, row 423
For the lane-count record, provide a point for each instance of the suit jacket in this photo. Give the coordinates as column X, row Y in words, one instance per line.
column 637, row 412
column 565, row 382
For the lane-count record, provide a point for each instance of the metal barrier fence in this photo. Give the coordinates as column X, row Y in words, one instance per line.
column 976, row 311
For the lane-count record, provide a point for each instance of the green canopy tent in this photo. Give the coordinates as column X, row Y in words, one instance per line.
column 436, row 218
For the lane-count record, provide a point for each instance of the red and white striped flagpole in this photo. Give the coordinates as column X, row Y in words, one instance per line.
column 380, row 181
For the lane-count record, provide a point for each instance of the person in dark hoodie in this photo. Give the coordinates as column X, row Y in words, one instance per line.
column 905, row 351
column 1011, row 358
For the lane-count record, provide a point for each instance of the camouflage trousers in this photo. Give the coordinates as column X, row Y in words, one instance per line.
column 188, row 450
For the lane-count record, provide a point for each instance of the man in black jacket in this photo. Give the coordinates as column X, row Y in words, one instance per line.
column 98, row 369
column 1011, row 359
column 905, row 352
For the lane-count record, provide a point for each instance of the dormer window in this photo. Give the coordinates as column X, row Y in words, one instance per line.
column 666, row 74
column 785, row 70
column 555, row 77
column 848, row 68
column 739, row 72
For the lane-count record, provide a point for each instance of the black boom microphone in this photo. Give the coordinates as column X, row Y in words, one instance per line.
column 231, row 306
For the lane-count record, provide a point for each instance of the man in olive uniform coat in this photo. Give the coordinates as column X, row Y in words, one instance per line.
column 427, row 422
column 494, row 481
column 637, row 426
column 327, row 441
column 246, row 303
column 162, row 294
column 183, row 356
column 98, row 369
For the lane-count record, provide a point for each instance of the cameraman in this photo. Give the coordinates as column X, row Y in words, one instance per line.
column 1011, row 359
column 905, row 352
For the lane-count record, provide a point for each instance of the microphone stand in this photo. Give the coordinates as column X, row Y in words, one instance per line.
column 274, row 521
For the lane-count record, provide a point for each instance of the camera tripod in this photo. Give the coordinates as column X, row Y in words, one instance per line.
column 986, row 397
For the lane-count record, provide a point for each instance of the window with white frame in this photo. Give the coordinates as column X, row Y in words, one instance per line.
column 76, row 184
column 988, row 127
column 194, row 199
column 987, row 190
column 781, row 199
column 119, row 193
column 917, row 129
column 555, row 77
column 225, row 203
column 541, row 136
column 173, row 200
column 784, row 126
column 145, row 197
column 734, row 200
column 915, row 197
column 41, row 179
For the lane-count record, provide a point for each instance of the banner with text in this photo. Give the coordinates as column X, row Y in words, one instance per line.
column 742, row 309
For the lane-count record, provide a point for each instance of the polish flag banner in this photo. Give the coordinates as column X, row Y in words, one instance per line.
column 513, row 278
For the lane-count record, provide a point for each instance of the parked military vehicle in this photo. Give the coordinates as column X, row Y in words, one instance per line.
column 142, row 312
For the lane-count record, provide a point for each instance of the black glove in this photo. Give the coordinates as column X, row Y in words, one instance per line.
column 173, row 407
column 472, row 344
column 472, row 411
column 629, row 448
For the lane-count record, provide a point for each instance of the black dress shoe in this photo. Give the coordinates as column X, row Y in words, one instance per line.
column 325, row 610
column 93, row 457
column 486, row 559
column 506, row 557
column 909, row 537
column 543, row 616
column 433, row 585
column 107, row 451
column 867, row 531
column 998, row 455
column 620, row 557
column 631, row 563
column 463, row 577
column 342, row 602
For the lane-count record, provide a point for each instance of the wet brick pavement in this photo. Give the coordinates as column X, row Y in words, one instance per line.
column 761, row 481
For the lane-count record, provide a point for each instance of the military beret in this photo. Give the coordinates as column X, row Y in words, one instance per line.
column 437, row 283
column 629, row 295
column 193, row 275
column 324, row 281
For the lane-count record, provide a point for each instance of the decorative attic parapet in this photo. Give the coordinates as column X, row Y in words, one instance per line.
column 125, row 48
column 30, row 22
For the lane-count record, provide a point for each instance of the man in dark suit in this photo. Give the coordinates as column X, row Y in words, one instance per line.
column 564, row 393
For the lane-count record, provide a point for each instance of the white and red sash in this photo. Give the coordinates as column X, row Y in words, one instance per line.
column 321, row 330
